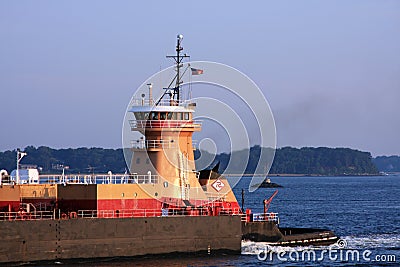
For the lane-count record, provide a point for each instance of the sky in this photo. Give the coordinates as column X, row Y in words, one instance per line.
column 330, row 70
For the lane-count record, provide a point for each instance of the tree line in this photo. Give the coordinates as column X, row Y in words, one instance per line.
column 387, row 164
column 287, row 160
column 75, row 160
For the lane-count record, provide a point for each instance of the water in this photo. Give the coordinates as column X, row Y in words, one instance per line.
column 363, row 211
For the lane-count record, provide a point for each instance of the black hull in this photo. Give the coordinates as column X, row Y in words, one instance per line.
column 292, row 237
column 58, row 240
column 307, row 236
column 270, row 185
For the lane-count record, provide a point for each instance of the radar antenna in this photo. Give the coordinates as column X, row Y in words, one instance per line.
column 178, row 58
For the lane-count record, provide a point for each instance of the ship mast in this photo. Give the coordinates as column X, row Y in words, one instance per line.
column 178, row 62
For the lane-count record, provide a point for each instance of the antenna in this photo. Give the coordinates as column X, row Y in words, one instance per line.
column 178, row 58
column 150, row 85
column 178, row 61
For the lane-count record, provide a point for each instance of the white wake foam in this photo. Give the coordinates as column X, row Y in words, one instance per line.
column 373, row 241
column 353, row 242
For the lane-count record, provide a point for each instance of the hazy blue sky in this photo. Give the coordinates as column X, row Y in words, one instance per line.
column 329, row 69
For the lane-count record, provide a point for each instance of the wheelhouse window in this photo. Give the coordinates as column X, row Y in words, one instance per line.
column 163, row 115
column 176, row 115
column 153, row 116
column 141, row 115
column 186, row 116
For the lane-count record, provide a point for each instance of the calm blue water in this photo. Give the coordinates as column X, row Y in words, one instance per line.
column 364, row 211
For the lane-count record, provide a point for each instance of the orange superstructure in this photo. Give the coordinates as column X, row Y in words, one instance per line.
column 165, row 150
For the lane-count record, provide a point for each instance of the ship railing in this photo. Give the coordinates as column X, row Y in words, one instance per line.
column 23, row 215
column 141, row 124
column 215, row 196
column 127, row 213
column 260, row 217
column 99, row 179
column 157, row 144
column 162, row 102
column 131, row 213
column 87, row 213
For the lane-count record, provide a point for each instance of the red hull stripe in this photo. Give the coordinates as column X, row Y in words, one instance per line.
column 4, row 205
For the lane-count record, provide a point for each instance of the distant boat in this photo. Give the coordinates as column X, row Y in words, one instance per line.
column 268, row 184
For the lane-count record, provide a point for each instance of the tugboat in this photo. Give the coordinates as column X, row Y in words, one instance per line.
column 162, row 206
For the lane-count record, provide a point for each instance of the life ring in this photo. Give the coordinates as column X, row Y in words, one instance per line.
column 64, row 216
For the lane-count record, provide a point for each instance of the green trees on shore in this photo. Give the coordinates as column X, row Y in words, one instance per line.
column 306, row 160
column 387, row 164
column 79, row 160
column 288, row 160
column 323, row 161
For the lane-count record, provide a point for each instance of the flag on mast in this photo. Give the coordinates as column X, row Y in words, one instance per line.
column 196, row 71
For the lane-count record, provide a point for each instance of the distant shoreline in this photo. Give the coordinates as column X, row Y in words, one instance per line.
column 288, row 161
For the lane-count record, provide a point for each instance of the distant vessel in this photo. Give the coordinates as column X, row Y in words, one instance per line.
column 162, row 206
column 268, row 184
